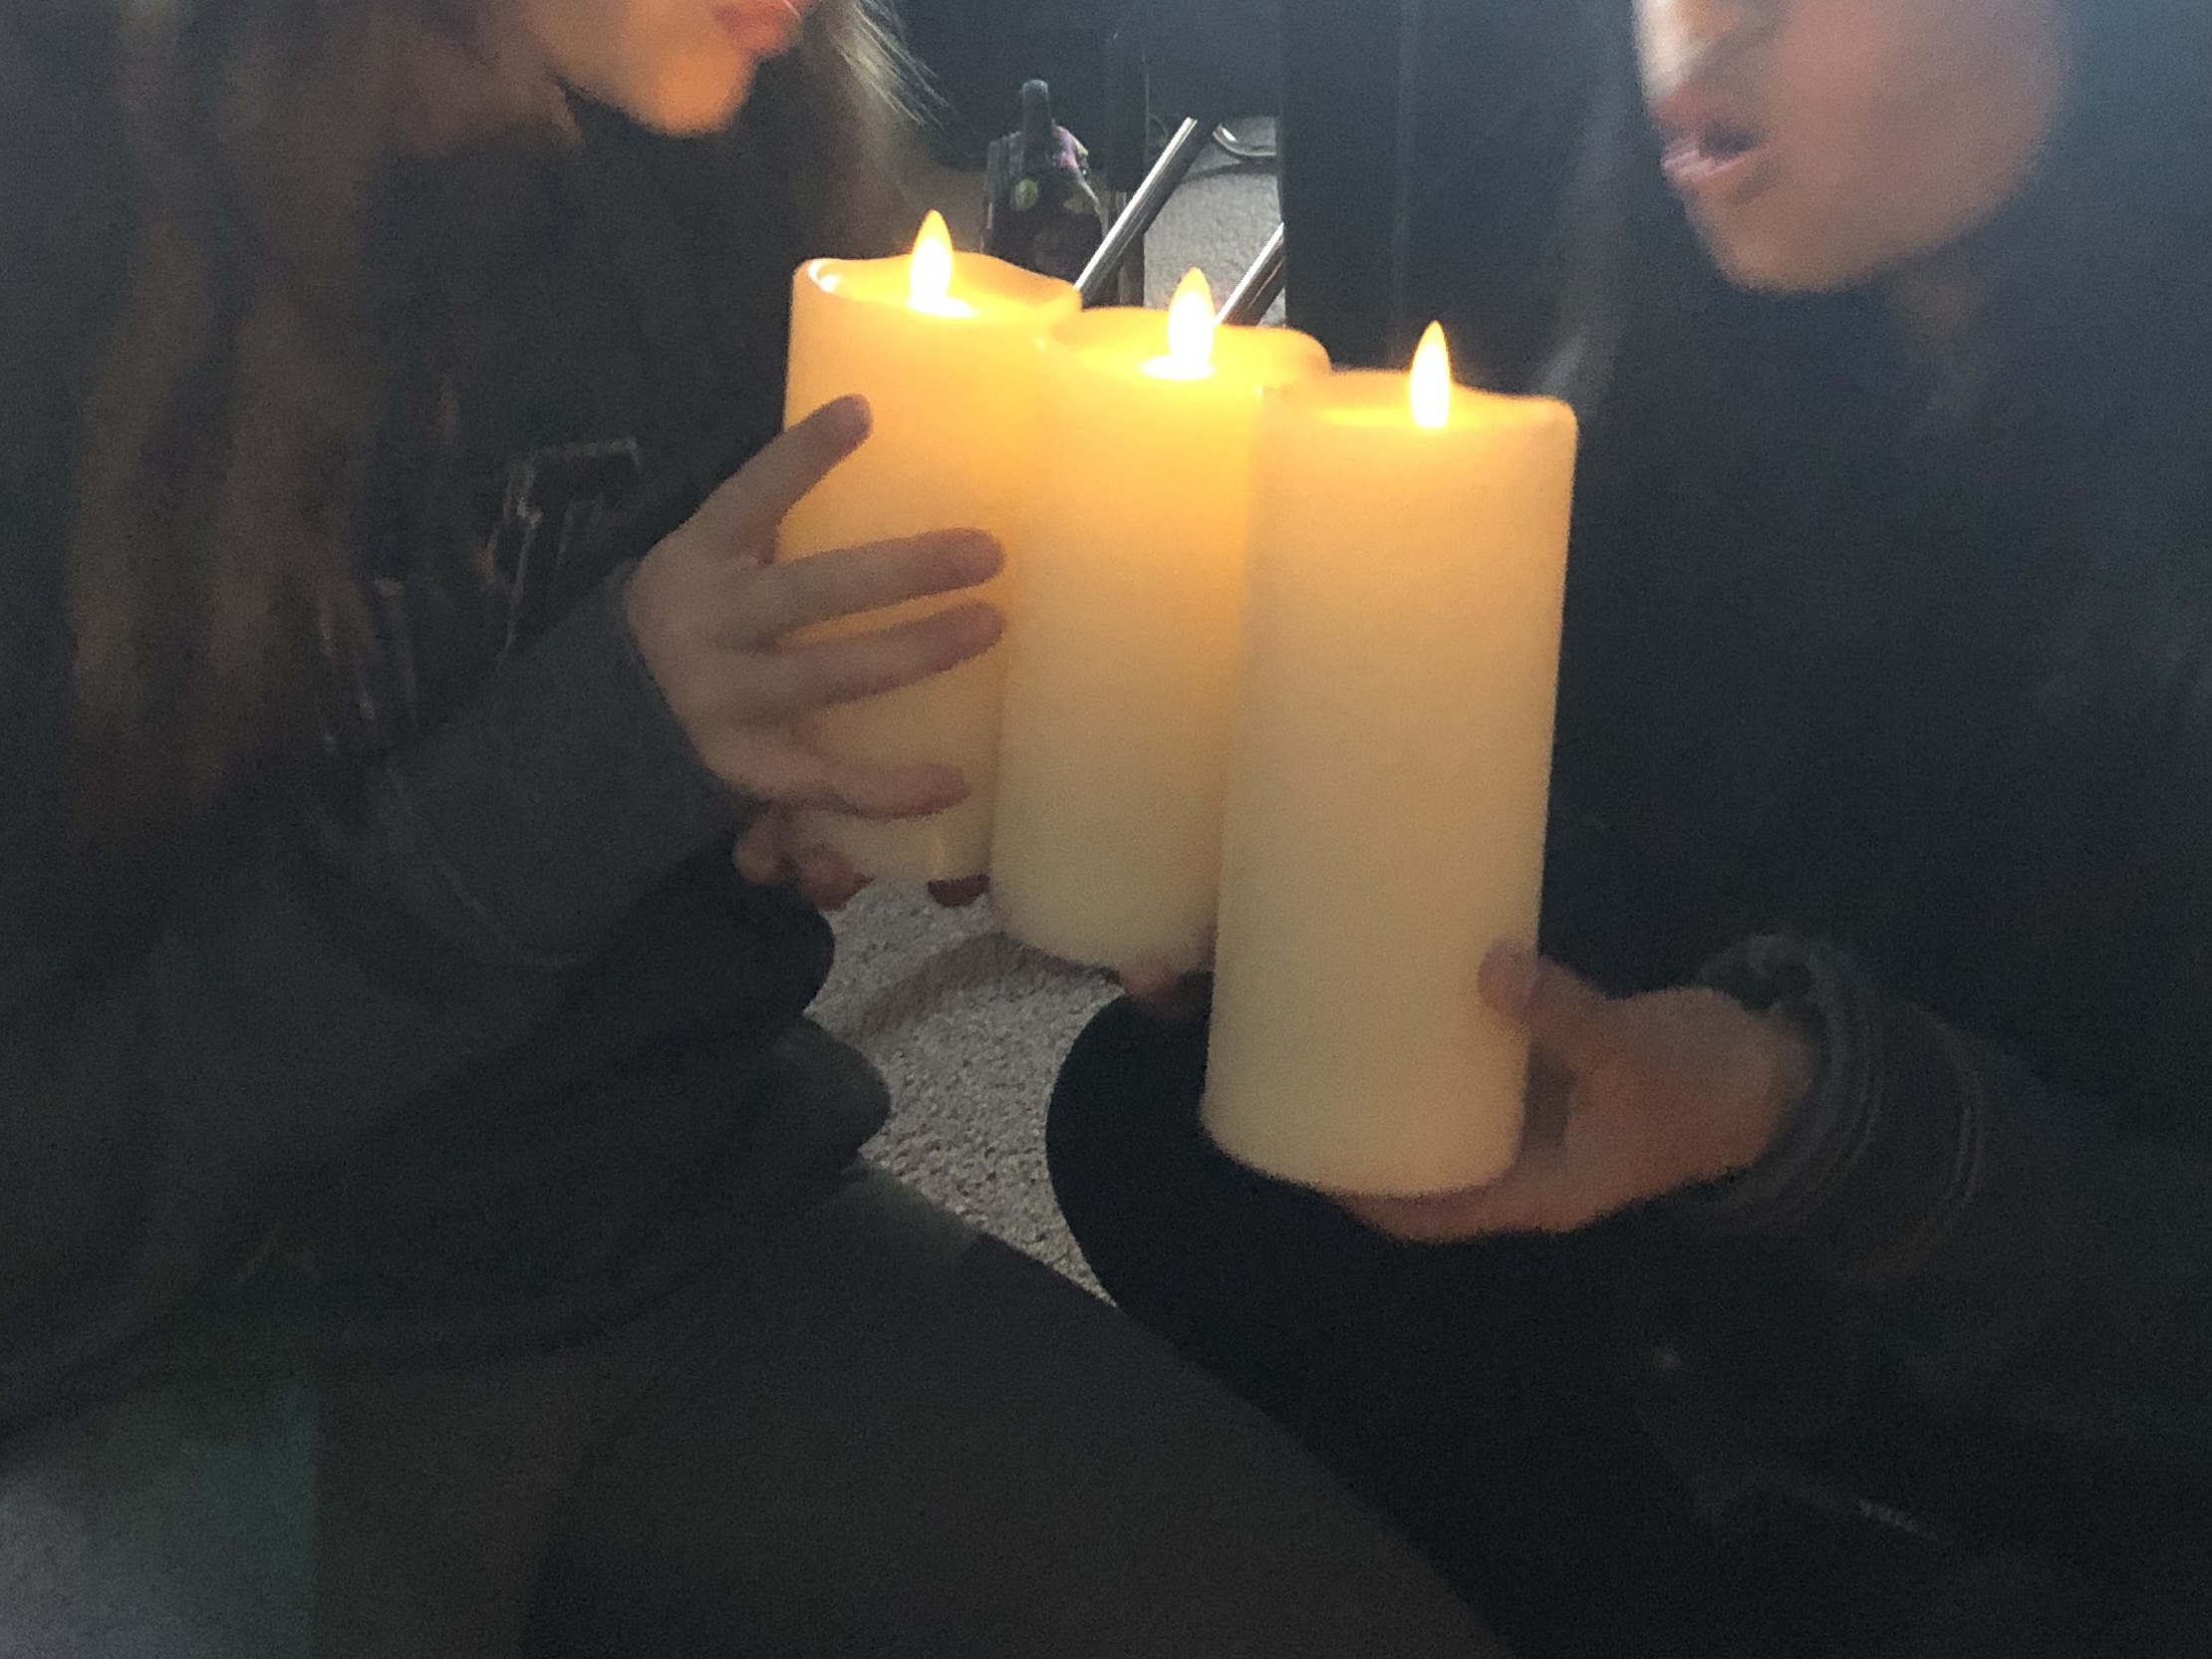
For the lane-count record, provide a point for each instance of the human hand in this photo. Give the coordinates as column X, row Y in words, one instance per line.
column 1661, row 1092
column 1172, row 993
column 772, row 853
column 712, row 613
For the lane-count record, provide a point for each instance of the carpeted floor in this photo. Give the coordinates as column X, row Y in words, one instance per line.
column 967, row 1029
column 150, row 1533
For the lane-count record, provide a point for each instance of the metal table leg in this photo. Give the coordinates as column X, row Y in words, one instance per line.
column 1262, row 286
column 1176, row 161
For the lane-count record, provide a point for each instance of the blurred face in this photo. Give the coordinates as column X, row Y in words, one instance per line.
column 681, row 66
column 1824, row 143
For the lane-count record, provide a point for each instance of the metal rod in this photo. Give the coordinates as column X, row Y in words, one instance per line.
column 1174, row 165
column 1262, row 286
column 1402, row 329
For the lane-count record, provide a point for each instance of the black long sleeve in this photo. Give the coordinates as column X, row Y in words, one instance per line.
column 282, row 1013
column 2016, row 1255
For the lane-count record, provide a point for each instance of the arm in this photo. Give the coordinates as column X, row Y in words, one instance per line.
column 2016, row 1257
column 274, row 1017
column 2014, row 1253
column 280, row 1012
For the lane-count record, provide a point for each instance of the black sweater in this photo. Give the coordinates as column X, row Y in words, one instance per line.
column 1899, row 709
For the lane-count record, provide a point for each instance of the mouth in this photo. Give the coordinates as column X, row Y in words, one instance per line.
column 1704, row 162
column 1708, row 151
column 764, row 29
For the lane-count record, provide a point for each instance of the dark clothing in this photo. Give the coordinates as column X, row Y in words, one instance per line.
column 880, row 1436
column 1623, row 1443
column 1901, row 721
column 501, row 966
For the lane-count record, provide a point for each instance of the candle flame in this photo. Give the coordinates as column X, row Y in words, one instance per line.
column 1432, row 380
column 930, row 280
column 1191, row 330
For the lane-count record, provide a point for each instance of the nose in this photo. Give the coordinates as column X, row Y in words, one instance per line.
column 1677, row 39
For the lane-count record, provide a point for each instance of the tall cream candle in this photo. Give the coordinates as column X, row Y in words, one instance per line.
column 943, row 347
column 1126, row 628
column 1389, row 782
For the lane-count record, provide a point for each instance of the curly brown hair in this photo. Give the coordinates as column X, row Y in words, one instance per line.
column 229, row 390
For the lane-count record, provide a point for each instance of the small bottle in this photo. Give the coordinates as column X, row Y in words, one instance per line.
column 1041, row 212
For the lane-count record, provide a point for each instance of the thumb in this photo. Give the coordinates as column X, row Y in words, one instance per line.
column 1557, row 1009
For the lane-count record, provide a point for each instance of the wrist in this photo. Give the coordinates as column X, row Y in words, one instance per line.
column 1815, row 1102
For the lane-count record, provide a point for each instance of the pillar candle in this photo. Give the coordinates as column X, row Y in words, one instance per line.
column 943, row 347
column 1126, row 630
column 1391, row 765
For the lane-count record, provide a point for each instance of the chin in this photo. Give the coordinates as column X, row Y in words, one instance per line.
column 695, row 101
column 1776, row 265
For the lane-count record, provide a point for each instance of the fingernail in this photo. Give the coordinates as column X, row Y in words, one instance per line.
column 1509, row 974
column 983, row 625
column 977, row 557
column 959, row 895
column 853, row 417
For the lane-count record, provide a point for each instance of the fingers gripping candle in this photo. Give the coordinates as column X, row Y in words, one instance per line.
column 1125, row 638
column 943, row 347
column 1389, row 780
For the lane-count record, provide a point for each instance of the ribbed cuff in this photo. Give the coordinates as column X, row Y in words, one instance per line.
column 566, row 790
column 1874, row 1171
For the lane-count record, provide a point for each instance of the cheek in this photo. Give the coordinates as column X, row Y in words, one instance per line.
column 1843, row 82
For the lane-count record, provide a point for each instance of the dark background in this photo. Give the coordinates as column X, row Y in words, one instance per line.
column 979, row 51
column 1436, row 153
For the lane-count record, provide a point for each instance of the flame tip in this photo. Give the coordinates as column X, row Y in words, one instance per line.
column 1191, row 328
column 1431, row 380
column 930, row 279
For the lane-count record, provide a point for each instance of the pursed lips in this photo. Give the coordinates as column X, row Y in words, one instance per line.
column 763, row 28
column 1710, row 142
